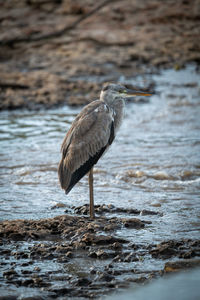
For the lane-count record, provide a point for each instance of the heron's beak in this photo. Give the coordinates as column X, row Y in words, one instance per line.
column 130, row 93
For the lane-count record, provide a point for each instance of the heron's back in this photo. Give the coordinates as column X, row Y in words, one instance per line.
column 90, row 134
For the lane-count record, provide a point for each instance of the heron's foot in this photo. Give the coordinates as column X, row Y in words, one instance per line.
column 92, row 217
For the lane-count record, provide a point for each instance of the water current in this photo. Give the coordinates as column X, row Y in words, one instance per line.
column 154, row 162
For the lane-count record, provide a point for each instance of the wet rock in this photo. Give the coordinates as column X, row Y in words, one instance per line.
column 77, row 240
column 188, row 254
column 126, row 257
column 116, row 246
column 99, row 209
column 69, row 254
column 28, row 282
column 25, row 272
column 63, row 248
column 164, row 250
column 79, row 245
column 83, row 210
column 61, row 291
column 140, row 279
column 90, row 239
column 116, row 272
column 93, row 227
column 9, row 297
column 92, row 254
column 17, row 236
column 109, row 227
column 38, row 282
column 182, row 249
column 101, row 254
column 146, row 212
column 133, row 223
column 129, row 211
column 130, row 257
column 103, row 209
column 25, row 264
column 118, row 258
column 10, row 273
column 58, row 205
column 83, row 282
column 156, row 204
column 5, row 252
column 19, row 255
column 3, row 263
column 32, row 298
column 135, row 246
column 49, row 256
column 93, row 271
column 105, row 277
column 181, row 265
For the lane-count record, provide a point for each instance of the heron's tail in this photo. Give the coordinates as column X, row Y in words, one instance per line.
column 63, row 175
column 68, row 179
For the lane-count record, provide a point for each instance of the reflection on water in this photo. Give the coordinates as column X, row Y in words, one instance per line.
column 154, row 161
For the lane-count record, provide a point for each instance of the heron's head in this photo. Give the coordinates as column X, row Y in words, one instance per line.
column 112, row 91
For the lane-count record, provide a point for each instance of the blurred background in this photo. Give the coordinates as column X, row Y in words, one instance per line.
column 56, row 51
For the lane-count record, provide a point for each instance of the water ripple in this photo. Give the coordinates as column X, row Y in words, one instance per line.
column 153, row 161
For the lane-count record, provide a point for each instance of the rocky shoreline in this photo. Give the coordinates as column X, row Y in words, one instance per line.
column 88, row 258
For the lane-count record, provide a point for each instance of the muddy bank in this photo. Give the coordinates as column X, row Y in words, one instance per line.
column 72, row 256
column 56, row 52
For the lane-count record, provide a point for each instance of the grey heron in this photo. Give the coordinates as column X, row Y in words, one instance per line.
column 91, row 133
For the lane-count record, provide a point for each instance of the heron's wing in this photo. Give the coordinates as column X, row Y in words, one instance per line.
column 90, row 134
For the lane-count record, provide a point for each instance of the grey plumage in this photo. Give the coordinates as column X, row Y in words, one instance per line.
column 85, row 138
column 91, row 133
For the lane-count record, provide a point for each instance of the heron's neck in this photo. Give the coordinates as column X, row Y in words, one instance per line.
column 111, row 100
column 117, row 106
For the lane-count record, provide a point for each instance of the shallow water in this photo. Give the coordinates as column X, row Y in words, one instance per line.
column 154, row 162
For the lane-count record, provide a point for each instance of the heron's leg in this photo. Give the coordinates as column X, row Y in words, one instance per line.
column 92, row 216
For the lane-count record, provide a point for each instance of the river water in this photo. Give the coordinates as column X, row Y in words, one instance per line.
column 154, row 162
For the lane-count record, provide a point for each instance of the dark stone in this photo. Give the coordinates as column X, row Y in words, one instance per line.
column 83, row 282
column 117, row 246
column 164, row 250
column 61, row 291
column 27, row 282
column 9, row 273
column 146, row 212
column 93, row 271
column 5, row 252
column 133, row 223
column 188, row 254
column 106, row 277
column 101, row 239
column 49, row 256
column 92, row 254
column 16, row 236
column 9, row 297
column 33, row 298
column 26, row 272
